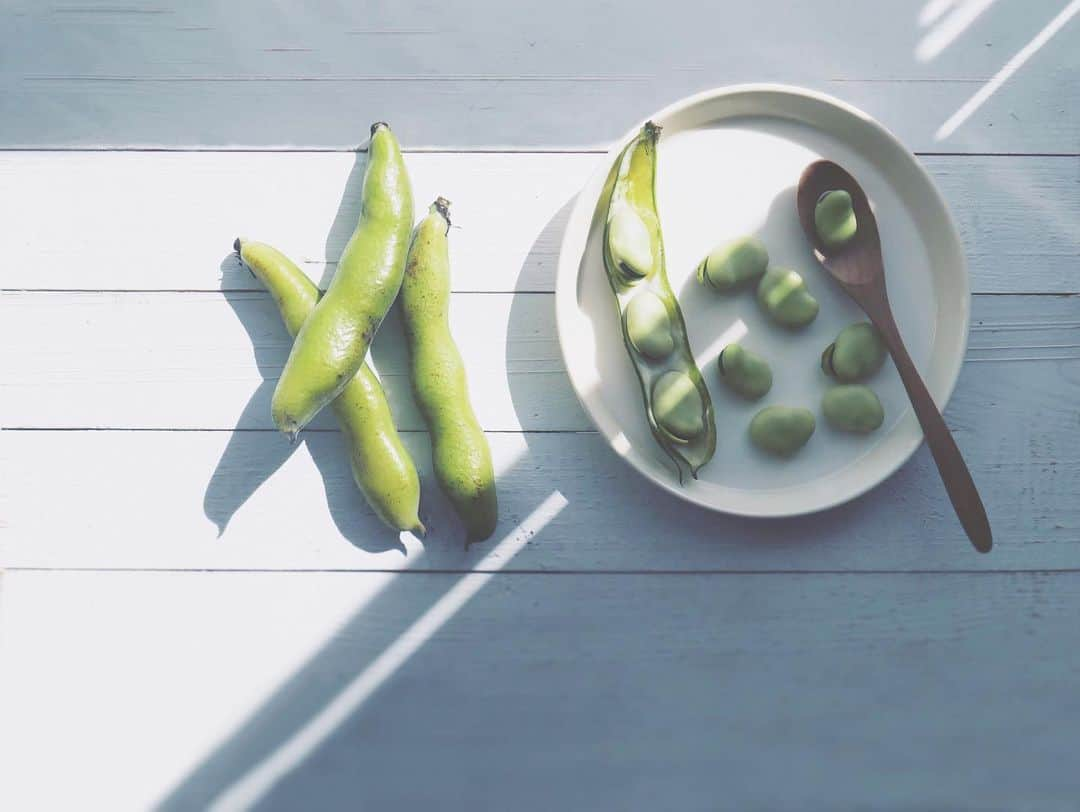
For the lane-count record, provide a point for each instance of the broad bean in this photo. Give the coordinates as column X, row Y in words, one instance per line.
column 677, row 406
column 853, row 407
column 782, row 294
column 857, row 353
column 834, row 219
column 745, row 372
column 782, row 430
column 648, row 326
column 734, row 265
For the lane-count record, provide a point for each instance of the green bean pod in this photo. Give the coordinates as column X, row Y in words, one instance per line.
column 459, row 450
column 677, row 402
column 333, row 342
column 381, row 465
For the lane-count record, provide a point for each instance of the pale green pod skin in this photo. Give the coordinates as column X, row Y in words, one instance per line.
column 459, row 450
column 745, row 372
column 856, row 354
column 635, row 266
column 782, row 294
column 853, row 407
column 333, row 342
column 782, row 430
column 381, row 466
column 734, row 265
column 632, row 247
column 834, row 219
column 648, row 326
column 677, row 406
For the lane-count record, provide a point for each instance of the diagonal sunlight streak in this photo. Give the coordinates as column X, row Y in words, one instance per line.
column 735, row 332
column 254, row 785
column 1012, row 66
column 943, row 35
column 934, row 9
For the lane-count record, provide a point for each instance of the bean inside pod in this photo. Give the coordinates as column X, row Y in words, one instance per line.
column 648, row 326
column 630, row 243
column 677, row 406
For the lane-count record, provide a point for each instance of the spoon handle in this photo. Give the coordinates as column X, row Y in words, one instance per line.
column 954, row 471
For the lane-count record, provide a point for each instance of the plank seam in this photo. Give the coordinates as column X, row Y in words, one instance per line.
column 502, row 150
column 163, row 430
column 571, row 572
column 263, row 293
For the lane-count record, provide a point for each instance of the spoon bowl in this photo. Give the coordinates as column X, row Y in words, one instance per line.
column 858, row 261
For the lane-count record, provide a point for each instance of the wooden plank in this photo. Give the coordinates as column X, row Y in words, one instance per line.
column 563, row 692
column 563, row 75
column 207, row 361
column 1017, row 216
column 1014, row 415
column 508, row 210
column 211, row 500
column 203, row 360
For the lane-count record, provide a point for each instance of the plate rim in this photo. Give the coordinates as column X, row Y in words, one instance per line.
column 566, row 277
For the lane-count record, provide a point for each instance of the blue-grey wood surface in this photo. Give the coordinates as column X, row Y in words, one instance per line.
column 484, row 73
column 164, row 551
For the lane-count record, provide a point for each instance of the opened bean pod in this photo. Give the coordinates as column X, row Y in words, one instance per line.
column 677, row 402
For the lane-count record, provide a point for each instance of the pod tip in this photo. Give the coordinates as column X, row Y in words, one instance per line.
column 377, row 125
column 442, row 206
column 238, row 244
column 418, row 529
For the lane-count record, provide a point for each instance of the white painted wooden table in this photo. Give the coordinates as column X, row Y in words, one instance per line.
column 192, row 612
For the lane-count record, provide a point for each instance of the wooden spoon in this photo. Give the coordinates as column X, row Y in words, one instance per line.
column 858, row 267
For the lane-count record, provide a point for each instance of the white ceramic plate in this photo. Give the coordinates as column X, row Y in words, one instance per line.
column 729, row 160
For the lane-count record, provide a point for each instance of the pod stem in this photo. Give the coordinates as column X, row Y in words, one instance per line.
column 238, row 243
column 442, row 206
